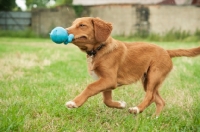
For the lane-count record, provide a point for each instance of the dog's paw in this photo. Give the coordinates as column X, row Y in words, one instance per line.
column 71, row 104
column 122, row 104
column 134, row 110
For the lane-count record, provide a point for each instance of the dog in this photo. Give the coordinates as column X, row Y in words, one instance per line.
column 114, row 63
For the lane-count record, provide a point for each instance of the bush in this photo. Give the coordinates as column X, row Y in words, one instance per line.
column 28, row 33
column 172, row 35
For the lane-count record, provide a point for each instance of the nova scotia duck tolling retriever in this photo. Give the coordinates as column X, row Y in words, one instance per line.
column 114, row 63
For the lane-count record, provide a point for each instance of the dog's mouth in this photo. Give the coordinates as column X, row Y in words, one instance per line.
column 80, row 38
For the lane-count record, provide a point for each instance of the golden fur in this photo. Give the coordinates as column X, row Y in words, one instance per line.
column 119, row 63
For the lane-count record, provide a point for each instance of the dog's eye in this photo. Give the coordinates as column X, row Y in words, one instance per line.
column 82, row 25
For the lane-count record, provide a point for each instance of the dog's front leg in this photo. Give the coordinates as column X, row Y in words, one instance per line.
column 100, row 85
column 107, row 99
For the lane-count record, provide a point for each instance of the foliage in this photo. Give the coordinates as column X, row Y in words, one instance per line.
column 43, row 3
column 28, row 33
column 172, row 35
column 37, row 77
column 78, row 10
column 39, row 3
column 7, row 5
column 64, row 2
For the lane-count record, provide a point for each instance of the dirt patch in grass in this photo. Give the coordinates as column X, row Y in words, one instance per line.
column 12, row 64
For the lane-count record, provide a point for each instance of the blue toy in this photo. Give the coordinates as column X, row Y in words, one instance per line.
column 59, row 35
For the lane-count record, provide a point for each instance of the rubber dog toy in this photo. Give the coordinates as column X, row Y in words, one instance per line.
column 59, row 35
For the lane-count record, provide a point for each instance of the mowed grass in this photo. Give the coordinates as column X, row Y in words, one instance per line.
column 37, row 77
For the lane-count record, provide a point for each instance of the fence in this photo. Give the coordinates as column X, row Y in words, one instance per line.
column 44, row 20
column 126, row 19
column 15, row 20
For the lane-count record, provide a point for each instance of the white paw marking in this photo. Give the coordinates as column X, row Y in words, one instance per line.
column 71, row 104
column 134, row 110
column 122, row 104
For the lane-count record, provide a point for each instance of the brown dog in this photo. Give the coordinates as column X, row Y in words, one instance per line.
column 114, row 63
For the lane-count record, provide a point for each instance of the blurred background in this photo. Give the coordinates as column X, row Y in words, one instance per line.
column 130, row 18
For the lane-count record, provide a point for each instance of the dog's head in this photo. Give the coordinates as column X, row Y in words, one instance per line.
column 89, row 31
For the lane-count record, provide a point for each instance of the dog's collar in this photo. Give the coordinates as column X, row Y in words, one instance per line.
column 93, row 52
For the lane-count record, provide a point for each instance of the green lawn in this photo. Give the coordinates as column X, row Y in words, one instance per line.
column 37, row 77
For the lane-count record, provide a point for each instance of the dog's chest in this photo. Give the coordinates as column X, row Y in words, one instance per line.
column 91, row 68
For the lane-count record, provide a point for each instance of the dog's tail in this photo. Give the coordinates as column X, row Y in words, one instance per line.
column 184, row 52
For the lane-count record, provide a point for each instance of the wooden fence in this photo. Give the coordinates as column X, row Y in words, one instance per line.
column 15, row 20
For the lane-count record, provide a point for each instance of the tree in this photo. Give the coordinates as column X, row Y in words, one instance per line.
column 63, row 2
column 7, row 5
column 43, row 3
column 38, row 3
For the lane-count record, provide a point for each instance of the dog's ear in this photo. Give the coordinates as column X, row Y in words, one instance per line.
column 102, row 29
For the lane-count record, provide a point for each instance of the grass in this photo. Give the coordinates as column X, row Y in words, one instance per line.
column 27, row 33
column 37, row 77
column 170, row 36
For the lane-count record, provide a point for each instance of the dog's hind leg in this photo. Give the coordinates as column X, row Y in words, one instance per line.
column 151, row 84
column 107, row 98
column 160, row 103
